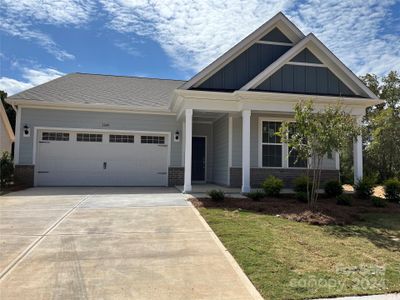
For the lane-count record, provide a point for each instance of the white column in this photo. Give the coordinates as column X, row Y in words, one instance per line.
column 358, row 159
column 246, row 151
column 187, row 187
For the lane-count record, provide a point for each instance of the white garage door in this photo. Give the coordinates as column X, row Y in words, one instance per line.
column 66, row 158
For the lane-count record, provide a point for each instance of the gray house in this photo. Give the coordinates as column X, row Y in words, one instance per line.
column 98, row 130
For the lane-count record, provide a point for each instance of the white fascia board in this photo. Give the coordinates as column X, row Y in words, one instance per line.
column 279, row 20
column 325, row 55
column 6, row 123
column 90, row 107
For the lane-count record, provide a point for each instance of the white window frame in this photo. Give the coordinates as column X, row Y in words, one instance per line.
column 285, row 147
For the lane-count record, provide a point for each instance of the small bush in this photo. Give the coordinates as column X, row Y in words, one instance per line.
column 302, row 196
column 300, row 184
column 6, row 169
column 216, row 195
column 272, row 186
column 378, row 202
column 392, row 189
column 364, row 188
column 255, row 196
column 343, row 199
column 333, row 188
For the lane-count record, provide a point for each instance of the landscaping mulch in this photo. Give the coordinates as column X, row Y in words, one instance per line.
column 327, row 212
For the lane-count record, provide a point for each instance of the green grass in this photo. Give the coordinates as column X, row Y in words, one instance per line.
column 289, row 260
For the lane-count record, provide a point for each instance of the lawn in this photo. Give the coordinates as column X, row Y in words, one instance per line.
column 292, row 260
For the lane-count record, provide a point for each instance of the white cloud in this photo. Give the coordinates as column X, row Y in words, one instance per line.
column 23, row 15
column 194, row 33
column 31, row 78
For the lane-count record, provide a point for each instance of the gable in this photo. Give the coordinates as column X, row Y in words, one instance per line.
column 244, row 68
column 300, row 79
column 275, row 35
column 306, row 56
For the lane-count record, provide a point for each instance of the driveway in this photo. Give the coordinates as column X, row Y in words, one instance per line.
column 112, row 243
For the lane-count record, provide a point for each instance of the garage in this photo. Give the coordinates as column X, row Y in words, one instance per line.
column 97, row 158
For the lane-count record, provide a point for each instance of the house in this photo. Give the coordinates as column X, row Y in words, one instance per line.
column 96, row 130
column 6, row 132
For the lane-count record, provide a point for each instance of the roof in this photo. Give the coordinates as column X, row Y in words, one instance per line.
column 83, row 88
column 6, row 122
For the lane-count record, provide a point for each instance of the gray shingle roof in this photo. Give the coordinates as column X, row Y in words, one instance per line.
column 81, row 88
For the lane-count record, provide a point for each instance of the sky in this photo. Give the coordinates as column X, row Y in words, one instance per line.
column 41, row 40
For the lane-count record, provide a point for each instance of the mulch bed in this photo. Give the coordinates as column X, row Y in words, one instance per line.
column 327, row 213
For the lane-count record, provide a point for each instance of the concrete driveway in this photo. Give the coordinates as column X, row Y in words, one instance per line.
column 112, row 243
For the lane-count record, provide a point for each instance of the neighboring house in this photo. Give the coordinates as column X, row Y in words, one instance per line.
column 6, row 132
column 87, row 129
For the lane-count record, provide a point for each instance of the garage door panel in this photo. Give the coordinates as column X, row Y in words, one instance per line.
column 73, row 163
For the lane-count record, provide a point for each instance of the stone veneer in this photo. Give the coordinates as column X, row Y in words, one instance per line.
column 175, row 176
column 24, row 174
column 258, row 175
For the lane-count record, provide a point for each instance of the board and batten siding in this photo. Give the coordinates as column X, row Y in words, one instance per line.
column 221, row 145
column 206, row 130
column 327, row 164
column 96, row 120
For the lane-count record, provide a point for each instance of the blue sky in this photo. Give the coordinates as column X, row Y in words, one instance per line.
column 41, row 40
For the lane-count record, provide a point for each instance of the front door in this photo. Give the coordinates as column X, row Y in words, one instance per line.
column 198, row 158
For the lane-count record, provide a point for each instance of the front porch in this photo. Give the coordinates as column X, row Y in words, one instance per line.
column 228, row 151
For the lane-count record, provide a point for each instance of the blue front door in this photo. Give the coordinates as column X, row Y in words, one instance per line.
column 198, row 158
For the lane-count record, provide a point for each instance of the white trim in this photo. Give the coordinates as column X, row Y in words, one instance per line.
column 246, row 132
column 279, row 20
column 352, row 81
column 274, row 43
column 305, row 64
column 187, row 186
column 108, row 131
column 17, row 135
column 206, row 160
column 230, row 139
column 91, row 107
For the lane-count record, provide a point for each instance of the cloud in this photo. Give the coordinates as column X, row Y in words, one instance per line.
column 23, row 15
column 194, row 33
column 31, row 78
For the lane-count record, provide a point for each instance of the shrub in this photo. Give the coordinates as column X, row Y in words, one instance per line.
column 272, row 186
column 378, row 202
column 364, row 188
column 302, row 196
column 343, row 199
column 392, row 190
column 300, row 184
column 333, row 188
column 256, row 196
column 216, row 195
column 6, row 168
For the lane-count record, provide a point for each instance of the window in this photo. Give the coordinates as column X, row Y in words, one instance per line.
column 117, row 138
column 55, row 136
column 149, row 139
column 271, row 145
column 294, row 161
column 89, row 137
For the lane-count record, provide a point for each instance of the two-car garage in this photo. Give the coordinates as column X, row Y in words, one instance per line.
column 101, row 158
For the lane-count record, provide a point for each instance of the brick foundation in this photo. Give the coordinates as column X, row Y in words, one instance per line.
column 258, row 175
column 175, row 176
column 24, row 174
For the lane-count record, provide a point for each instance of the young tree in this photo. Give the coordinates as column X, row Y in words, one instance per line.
column 315, row 135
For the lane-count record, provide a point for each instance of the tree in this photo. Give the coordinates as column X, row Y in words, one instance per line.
column 317, row 134
column 8, row 108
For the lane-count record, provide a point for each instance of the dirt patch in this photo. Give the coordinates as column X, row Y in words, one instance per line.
column 327, row 213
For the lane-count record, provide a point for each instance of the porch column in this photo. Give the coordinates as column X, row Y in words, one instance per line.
column 358, row 156
column 246, row 151
column 187, row 187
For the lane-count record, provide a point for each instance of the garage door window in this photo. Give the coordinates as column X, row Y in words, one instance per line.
column 150, row 139
column 118, row 138
column 55, row 136
column 89, row 137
